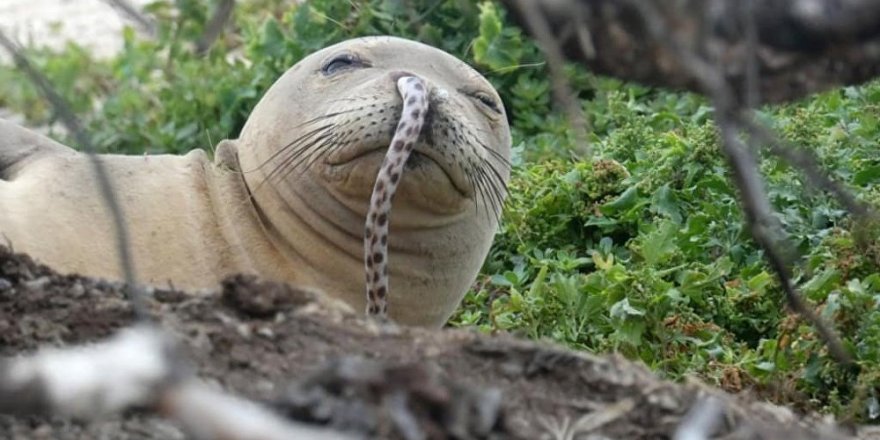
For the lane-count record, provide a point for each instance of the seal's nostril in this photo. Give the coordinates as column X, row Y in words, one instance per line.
column 440, row 95
column 396, row 75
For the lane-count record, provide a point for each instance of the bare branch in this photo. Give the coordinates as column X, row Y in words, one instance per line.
column 807, row 162
column 207, row 414
column 803, row 46
column 136, row 369
column 766, row 231
column 218, row 21
column 555, row 62
column 808, row 25
column 729, row 106
column 142, row 21
column 73, row 125
column 87, row 382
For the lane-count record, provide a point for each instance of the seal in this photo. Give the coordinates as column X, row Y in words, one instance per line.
column 288, row 199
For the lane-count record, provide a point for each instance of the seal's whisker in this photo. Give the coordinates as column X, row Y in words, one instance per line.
column 276, row 171
column 475, row 191
column 293, row 144
column 325, row 116
column 484, row 178
column 285, row 148
column 307, row 158
column 504, row 161
column 296, row 153
column 317, row 151
column 303, row 155
column 496, row 183
column 320, row 151
column 497, row 204
column 338, row 145
column 482, row 194
column 342, row 142
column 497, row 174
column 291, row 157
column 346, row 100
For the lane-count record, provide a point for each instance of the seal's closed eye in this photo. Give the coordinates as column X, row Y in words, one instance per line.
column 487, row 100
column 342, row 62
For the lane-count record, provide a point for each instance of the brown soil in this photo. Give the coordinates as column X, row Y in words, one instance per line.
column 317, row 363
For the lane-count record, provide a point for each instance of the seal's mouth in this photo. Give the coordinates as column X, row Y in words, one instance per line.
column 422, row 156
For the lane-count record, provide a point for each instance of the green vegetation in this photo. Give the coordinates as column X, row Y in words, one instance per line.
column 639, row 248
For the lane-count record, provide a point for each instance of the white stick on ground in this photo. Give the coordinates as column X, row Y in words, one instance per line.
column 135, row 369
column 701, row 421
column 91, row 381
column 207, row 414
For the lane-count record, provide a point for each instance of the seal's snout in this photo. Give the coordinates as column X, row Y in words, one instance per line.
column 397, row 74
column 439, row 95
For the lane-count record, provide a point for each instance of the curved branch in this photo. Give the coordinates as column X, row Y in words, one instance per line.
column 803, row 46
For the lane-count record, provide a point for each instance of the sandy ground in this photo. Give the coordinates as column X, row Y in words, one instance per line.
column 92, row 23
column 258, row 338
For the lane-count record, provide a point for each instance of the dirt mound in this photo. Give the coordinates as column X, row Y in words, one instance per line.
column 317, row 362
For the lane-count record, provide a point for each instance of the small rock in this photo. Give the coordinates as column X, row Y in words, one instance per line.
column 664, row 400
column 77, row 290
column 37, row 284
column 266, row 332
column 265, row 386
column 262, row 299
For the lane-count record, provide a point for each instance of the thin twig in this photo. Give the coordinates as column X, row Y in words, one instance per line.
column 765, row 230
column 62, row 109
column 73, row 382
column 763, row 226
column 808, row 164
column 221, row 16
column 555, row 63
column 753, row 92
column 143, row 22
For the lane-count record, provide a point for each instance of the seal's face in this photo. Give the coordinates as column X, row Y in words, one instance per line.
column 318, row 137
column 464, row 145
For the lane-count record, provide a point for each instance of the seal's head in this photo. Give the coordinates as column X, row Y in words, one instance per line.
column 311, row 149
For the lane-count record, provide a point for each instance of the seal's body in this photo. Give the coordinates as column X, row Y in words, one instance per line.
column 184, row 226
column 287, row 200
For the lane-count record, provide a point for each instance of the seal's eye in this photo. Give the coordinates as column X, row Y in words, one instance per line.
column 488, row 101
column 341, row 62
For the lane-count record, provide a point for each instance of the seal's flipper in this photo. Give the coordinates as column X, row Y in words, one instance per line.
column 18, row 146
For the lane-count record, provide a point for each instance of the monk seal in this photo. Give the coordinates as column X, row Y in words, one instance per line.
column 288, row 198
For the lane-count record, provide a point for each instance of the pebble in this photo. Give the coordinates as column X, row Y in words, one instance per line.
column 37, row 284
column 77, row 290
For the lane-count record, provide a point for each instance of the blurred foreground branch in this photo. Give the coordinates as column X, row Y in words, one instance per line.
column 219, row 19
column 134, row 14
column 73, row 125
column 136, row 369
column 801, row 46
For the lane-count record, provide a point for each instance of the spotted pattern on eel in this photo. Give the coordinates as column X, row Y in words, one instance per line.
column 415, row 105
